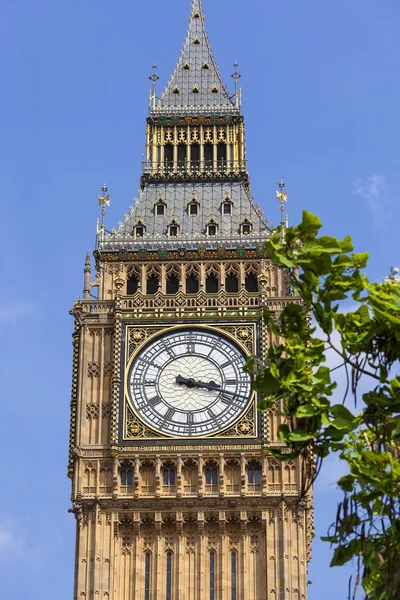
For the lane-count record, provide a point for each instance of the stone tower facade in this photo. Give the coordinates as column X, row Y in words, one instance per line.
column 175, row 493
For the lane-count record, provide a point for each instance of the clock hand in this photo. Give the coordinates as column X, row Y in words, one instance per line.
column 214, row 387
column 191, row 383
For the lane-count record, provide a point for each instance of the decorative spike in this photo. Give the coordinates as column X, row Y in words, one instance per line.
column 86, row 278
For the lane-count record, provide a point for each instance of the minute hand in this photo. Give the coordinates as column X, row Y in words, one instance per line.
column 217, row 388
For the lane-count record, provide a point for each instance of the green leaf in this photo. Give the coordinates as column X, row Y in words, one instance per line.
column 307, row 411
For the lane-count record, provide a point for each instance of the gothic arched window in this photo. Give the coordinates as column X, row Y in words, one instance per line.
column 232, row 283
column 233, row 576
column 169, row 576
column 172, row 284
column 147, row 576
column 173, row 228
column 192, row 284
column 212, row 284
column 211, row 476
column 126, row 475
column 169, row 476
column 132, row 286
column 212, row 575
column 152, row 285
column 251, row 284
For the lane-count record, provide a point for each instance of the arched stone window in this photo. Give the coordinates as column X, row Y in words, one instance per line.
column 132, row 285
column 254, row 473
column 193, row 207
column 147, row 476
column 232, row 476
column 192, row 280
column 232, row 280
column 173, row 281
column 126, row 476
column 212, row 283
column 251, row 284
column 153, row 281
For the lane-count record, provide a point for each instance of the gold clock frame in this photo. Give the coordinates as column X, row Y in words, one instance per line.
column 245, row 427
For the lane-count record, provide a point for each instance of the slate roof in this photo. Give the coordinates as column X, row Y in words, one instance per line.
column 196, row 70
column 209, row 196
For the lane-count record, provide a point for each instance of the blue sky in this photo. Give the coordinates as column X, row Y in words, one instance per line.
column 321, row 96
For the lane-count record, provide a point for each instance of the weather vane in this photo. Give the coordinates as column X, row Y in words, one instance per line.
column 236, row 76
column 282, row 197
column 154, row 78
column 104, row 201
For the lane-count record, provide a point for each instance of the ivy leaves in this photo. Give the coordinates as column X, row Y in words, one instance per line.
column 324, row 273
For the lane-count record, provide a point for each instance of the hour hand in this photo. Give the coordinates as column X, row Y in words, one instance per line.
column 191, row 383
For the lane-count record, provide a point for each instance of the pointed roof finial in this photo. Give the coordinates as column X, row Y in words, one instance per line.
column 282, row 197
column 154, row 78
column 236, row 76
column 104, row 201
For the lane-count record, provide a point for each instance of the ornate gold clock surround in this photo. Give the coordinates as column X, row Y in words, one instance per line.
column 247, row 427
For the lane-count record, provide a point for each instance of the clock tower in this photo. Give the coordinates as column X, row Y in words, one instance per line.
column 175, row 492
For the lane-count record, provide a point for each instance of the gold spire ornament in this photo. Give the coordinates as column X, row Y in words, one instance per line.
column 104, row 201
column 282, row 197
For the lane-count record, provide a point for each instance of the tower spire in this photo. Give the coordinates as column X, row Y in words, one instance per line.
column 196, row 85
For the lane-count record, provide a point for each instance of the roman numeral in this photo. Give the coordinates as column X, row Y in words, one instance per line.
column 154, row 401
column 226, row 364
column 231, row 382
column 169, row 414
column 149, row 383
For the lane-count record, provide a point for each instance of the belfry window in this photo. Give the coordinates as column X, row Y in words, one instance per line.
column 232, row 283
column 172, row 284
column 195, row 156
column 168, row 156
column 152, row 285
column 192, row 284
column 251, row 284
column 181, row 155
column 132, row 286
column 221, row 154
column 212, row 285
column 208, row 154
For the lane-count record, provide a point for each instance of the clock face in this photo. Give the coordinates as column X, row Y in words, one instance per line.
column 189, row 383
